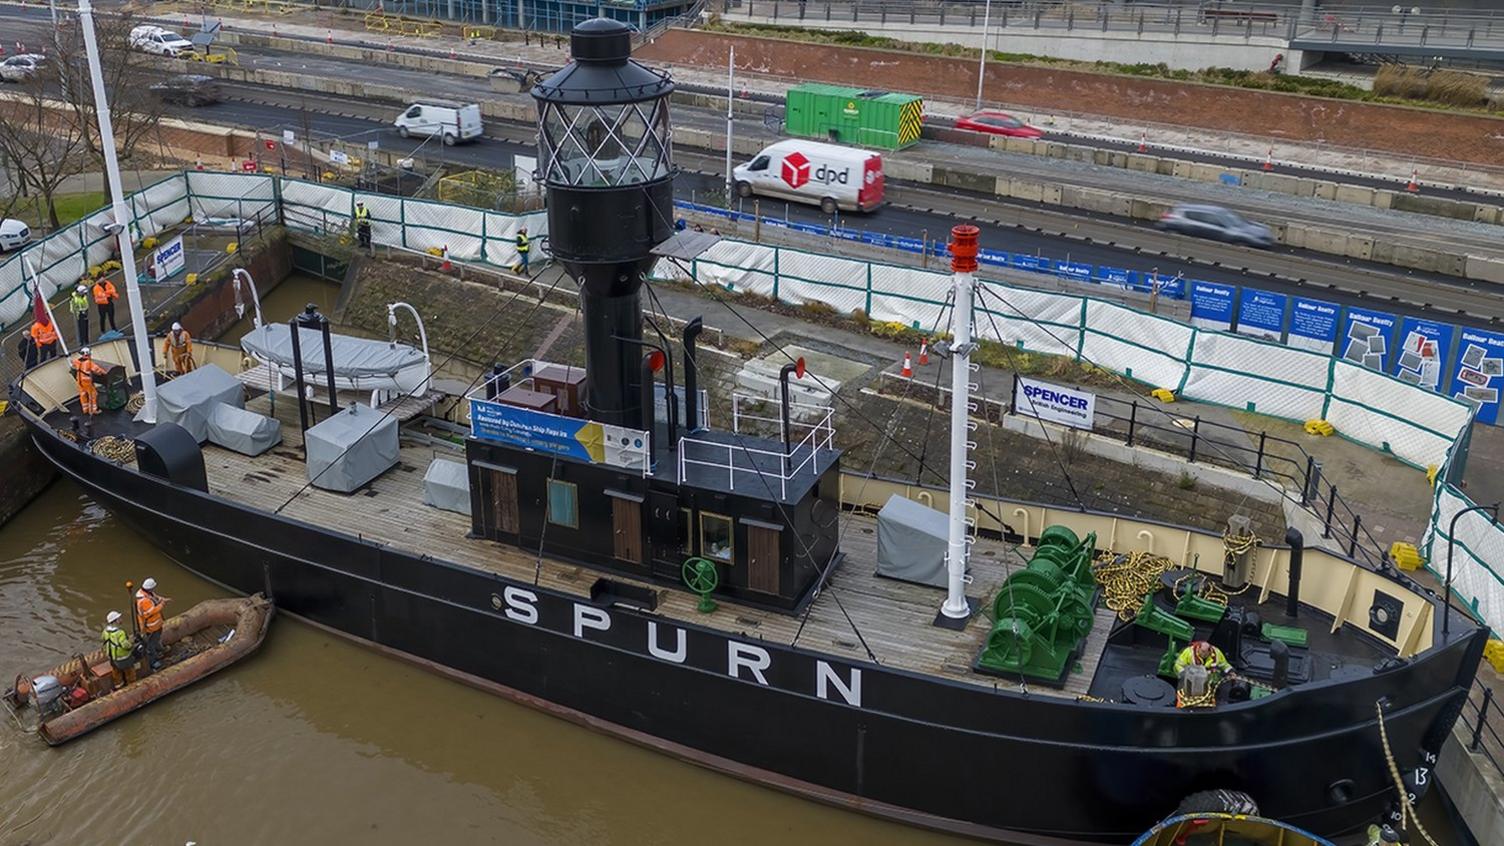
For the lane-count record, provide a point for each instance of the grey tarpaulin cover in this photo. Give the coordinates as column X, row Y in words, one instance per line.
column 446, row 485
column 911, row 541
column 354, row 358
column 245, row 432
column 351, row 448
column 189, row 399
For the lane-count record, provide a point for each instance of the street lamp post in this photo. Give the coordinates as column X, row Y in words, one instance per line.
column 1446, row 612
column 982, row 65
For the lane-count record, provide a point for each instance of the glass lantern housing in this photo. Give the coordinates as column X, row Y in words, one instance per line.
column 605, row 146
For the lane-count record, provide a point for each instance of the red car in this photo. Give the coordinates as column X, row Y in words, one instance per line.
column 998, row 123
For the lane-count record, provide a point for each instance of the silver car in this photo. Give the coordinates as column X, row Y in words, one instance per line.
column 1216, row 222
column 20, row 68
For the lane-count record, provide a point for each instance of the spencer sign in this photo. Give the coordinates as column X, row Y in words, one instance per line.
column 1066, row 406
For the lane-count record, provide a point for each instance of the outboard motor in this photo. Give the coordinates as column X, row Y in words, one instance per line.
column 47, row 696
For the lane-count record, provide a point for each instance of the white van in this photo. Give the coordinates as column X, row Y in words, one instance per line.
column 827, row 175
column 455, row 122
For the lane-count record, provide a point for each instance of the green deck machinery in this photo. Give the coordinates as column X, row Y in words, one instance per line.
column 1044, row 612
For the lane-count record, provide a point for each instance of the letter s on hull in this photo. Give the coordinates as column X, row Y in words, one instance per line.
column 521, row 605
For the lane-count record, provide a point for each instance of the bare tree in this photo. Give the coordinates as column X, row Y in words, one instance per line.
column 135, row 110
column 50, row 126
column 42, row 143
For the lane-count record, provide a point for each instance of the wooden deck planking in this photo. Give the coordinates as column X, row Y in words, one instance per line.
column 895, row 618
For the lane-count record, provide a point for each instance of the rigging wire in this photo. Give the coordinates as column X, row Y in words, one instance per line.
column 423, row 385
column 1122, row 382
column 823, row 582
column 1054, row 452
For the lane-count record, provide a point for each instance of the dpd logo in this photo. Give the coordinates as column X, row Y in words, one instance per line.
column 795, row 169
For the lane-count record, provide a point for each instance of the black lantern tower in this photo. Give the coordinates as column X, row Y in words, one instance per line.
column 604, row 156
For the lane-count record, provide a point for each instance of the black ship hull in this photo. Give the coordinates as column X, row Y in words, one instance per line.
column 968, row 759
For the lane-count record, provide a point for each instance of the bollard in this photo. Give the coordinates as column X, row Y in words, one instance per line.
column 1297, row 544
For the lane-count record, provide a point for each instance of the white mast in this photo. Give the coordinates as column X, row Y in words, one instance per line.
column 963, row 265
column 121, row 225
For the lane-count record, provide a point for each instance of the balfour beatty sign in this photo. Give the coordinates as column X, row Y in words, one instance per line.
column 1066, row 406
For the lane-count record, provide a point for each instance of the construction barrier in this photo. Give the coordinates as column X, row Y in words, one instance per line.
column 1408, row 421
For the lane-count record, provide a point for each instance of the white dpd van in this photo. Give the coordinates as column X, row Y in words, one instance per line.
column 455, row 122
column 827, row 175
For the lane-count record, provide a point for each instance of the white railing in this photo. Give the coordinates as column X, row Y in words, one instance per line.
column 741, row 458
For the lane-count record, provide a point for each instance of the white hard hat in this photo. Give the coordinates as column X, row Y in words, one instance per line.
column 82, row 289
column 84, row 351
column 112, row 617
column 149, row 584
column 177, row 327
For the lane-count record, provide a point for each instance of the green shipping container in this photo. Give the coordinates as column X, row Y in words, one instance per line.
column 854, row 116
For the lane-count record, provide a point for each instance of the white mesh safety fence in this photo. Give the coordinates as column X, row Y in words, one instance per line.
column 62, row 257
column 907, row 295
column 1477, row 555
column 840, row 283
column 1141, row 346
column 309, row 206
column 1034, row 321
column 1257, row 375
column 231, row 196
column 1416, row 425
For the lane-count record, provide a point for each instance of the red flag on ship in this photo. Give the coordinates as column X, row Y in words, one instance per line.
column 38, row 307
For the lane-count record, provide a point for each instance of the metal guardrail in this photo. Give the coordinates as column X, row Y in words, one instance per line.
column 1282, row 461
column 1483, row 725
column 1371, row 26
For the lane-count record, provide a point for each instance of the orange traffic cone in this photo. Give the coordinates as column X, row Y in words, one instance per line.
column 198, row 164
column 1143, row 142
column 447, row 265
column 329, row 36
column 908, row 366
column 1414, row 184
column 1269, row 160
column 924, row 351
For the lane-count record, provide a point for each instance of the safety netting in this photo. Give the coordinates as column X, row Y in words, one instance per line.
column 1414, row 424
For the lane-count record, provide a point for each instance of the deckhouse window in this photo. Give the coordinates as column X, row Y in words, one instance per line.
column 563, row 504
column 687, row 530
column 715, row 536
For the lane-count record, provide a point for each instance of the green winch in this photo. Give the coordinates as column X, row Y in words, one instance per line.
column 1044, row 612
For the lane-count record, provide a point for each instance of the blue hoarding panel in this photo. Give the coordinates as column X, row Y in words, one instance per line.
column 1422, row 355
column 1211, row 305
column 1478, row 376
column 1368, row 338
column 1073, row 270
column 1118, row 277
column 1037, row 264
column 1313, row 324
column 1262, row 314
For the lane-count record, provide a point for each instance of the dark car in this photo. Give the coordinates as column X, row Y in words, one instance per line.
column 189, row 89
column 1216, row 222
column 998, row 123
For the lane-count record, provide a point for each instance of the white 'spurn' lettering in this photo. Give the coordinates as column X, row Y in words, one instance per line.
column 586, row 617
column 745, row 655
column 680, row 650
column 521, row 605
column 825, row 675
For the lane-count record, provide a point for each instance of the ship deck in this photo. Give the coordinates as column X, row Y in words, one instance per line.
column 859, row 611
column 893, row 617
